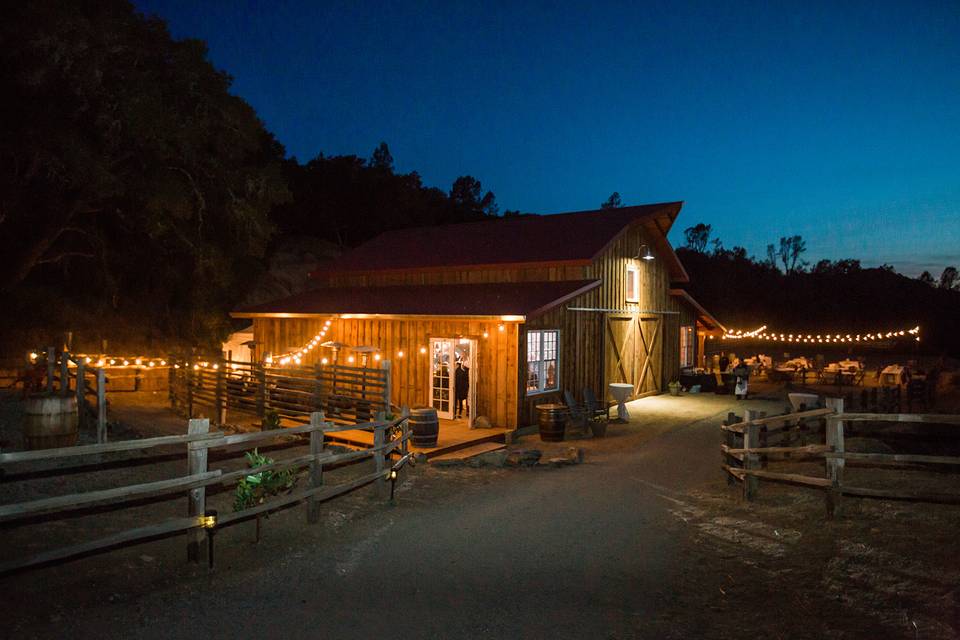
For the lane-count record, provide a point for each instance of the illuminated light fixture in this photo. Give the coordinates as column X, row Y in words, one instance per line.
column 376, row 357
column 399, row 354
column 644, row 253
column 196, row 367
column 33, row 356
column 324, row 361
column 350, row 359
column 208, row 521
column 511, row 318
column 112, row 361
column 501, row 328
column 423, row 349
column 153, row 364
column 87, row 360
column 486, row 335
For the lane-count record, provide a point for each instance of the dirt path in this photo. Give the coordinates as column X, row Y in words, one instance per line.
column 640, row 541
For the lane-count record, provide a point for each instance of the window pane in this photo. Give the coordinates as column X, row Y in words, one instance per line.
column 533, row 346
column 533, row 377
column 551, row 375
column 633, row 284
column 549, row 345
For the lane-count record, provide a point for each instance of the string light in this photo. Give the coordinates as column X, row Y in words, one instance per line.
column 297, row 354
column 761, row 334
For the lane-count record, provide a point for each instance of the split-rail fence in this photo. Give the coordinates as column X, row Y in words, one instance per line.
column 749, row 444
column 390, row 440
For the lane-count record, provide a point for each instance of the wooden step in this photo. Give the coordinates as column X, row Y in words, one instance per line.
column 468, row 452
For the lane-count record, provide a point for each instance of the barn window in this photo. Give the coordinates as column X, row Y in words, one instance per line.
column 686, row 346
column 633, row 283
column 543, row 361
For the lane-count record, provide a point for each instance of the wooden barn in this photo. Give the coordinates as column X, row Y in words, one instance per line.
column 528, row 306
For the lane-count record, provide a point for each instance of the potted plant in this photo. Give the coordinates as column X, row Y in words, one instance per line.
column 674, row 388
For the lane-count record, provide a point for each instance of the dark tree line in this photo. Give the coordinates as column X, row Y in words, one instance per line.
column 138, row 196
column 783, row 291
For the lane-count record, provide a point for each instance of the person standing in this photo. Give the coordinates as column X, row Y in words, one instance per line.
column 742, row 374
column 461, row 387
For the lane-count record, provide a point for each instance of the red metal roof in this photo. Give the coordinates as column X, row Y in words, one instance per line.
column 490, row 299
column 566, row 237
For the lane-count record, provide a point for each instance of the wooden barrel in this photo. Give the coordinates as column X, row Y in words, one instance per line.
column 424, row 427
column 553, row 418
column 50, row 421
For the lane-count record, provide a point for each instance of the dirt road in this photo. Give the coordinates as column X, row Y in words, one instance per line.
column 606, row 549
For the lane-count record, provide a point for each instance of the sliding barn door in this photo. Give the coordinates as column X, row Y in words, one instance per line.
column 633, row 351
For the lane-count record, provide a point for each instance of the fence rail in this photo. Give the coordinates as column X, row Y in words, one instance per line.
column 390, row 438
column 346, row 394
column 747, row 449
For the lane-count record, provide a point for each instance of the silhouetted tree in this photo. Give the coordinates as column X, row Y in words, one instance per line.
column 697, row 237
column 381, row 158
column 789, row 253
column 465, row 193
column 927, row 278
column 948, row 279
column 613, row 202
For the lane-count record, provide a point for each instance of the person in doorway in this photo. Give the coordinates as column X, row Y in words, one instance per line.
column 742, row 374
column 461, row 388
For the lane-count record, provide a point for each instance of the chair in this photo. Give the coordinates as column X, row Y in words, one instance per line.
column 594, row 409
column 578, row 413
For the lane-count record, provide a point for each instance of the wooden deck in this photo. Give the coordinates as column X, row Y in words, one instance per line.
column 454, row 435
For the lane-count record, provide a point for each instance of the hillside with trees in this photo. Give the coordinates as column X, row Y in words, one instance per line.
column 785, row 292
column 140, row 200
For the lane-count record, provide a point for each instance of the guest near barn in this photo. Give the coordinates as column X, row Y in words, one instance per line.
column 531, row 305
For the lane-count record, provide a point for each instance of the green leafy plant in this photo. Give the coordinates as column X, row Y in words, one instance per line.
column 257, row 487
column 271, row 420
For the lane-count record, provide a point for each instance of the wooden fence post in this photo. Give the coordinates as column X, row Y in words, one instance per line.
column 834, row 465
column 101, row 405
column 730, row 439
column 316, row 467
column 189, row 382
column 220, row 398
column 387, row 367
column 64, row 374
column 171, row 385
column 318, row 387
column 379, row 441
column 751, row 440
column 51, row 364
column 261, row 372
column 81, row 393
column 197, row 497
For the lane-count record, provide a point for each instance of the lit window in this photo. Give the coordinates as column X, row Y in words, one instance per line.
column 686, row 346
column 543, row 370
column 633, row 283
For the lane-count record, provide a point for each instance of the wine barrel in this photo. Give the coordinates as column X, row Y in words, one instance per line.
column 424, row 427
column 553, row 418
column 50, row 421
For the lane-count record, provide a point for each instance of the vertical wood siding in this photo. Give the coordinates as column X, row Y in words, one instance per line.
column 497, row 363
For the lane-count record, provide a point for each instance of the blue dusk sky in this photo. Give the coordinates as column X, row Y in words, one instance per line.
column 838, row 121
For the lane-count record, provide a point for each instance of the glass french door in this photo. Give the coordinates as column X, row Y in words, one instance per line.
column 453, row 378
column 442, row 376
